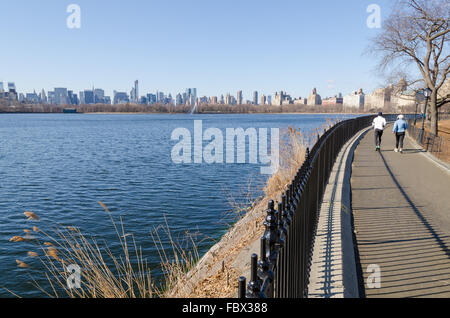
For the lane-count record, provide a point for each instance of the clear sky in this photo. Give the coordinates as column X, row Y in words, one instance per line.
column 217, row 46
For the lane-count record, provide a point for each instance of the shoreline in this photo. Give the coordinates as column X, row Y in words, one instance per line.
column 206, row 113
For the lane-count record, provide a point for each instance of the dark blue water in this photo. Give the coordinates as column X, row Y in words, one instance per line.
column 60, row 166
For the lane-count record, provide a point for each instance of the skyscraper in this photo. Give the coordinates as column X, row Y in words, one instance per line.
column 61, row 96
column 71, row 98
column 239, row 98
column 120, row 98
column 11, row 87
column 43, row 97
column 151, row 99
column 255, row 98
column 1, row 87
column 228, row 100
column 191, row 96
column 32, row 98
column 88, row 97
column 51, row 98
column 136, row 91
column 99, row 96
column 179, row 99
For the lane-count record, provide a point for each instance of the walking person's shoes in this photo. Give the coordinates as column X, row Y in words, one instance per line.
column 396, row 150
column 401, row 150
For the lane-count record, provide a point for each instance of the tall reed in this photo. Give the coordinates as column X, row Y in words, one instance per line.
column 103, row 274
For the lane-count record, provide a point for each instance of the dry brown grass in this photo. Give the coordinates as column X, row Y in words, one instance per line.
column 103, row 274
column 175, row 266
column 292, row 155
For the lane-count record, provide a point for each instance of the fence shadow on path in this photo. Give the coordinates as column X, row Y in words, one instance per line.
column 412, row 253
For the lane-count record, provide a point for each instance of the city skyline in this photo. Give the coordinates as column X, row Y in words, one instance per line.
column 269, row 46
column 239, row 96
column 66, row 96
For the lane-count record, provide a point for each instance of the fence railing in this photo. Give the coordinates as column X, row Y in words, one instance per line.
column 443, row 116
column 286, row 246
column 437, row 145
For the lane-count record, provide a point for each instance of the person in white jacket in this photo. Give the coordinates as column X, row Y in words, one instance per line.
column 378, row 124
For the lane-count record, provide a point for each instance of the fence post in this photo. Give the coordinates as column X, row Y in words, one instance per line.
column 271, row 234
column 242, row 287
column 254, row 286
column 282, row 232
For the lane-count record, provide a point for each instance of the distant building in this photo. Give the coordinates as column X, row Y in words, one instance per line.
column 314, row 99
column 190, row 96
column 32, row 98
column 228, row 99
column 255, row 98
column 332, row 101
column 378, row 99
column 355, row 100
column 51, row 98
column 278, row 99
column 391, row 98
column 239, row 98
column 179, row 99
column 192, row 100
column 300, row 101
column 43, row 97
column 143, row 100
column 160, row 96
column 134, row 94
column 61, row 96
column 88, row 97
column 203, row 100
column 11, row 87
column 214, row 100
column 263, row 99
column 151, row 99
column 99, row 96
column 136, row 90
column 120, row 98
column 73, row 98
column 70, row 97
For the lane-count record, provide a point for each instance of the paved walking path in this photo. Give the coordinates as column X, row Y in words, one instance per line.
column 401, row 208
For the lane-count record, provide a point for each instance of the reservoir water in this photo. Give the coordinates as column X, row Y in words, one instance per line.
column 60, row 165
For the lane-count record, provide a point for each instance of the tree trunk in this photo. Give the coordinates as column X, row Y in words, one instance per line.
column 433, row 113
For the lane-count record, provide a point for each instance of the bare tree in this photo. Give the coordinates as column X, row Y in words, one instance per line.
column 417, row 34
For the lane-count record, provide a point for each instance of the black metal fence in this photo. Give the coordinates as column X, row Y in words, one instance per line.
column 437, row 145
column 286, row 246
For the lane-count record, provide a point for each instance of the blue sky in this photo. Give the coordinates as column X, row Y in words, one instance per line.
column 217, row 46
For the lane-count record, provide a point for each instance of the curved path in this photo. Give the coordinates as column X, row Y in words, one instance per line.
column 401, row 209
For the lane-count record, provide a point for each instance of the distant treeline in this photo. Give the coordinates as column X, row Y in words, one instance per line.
column 171, row 109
